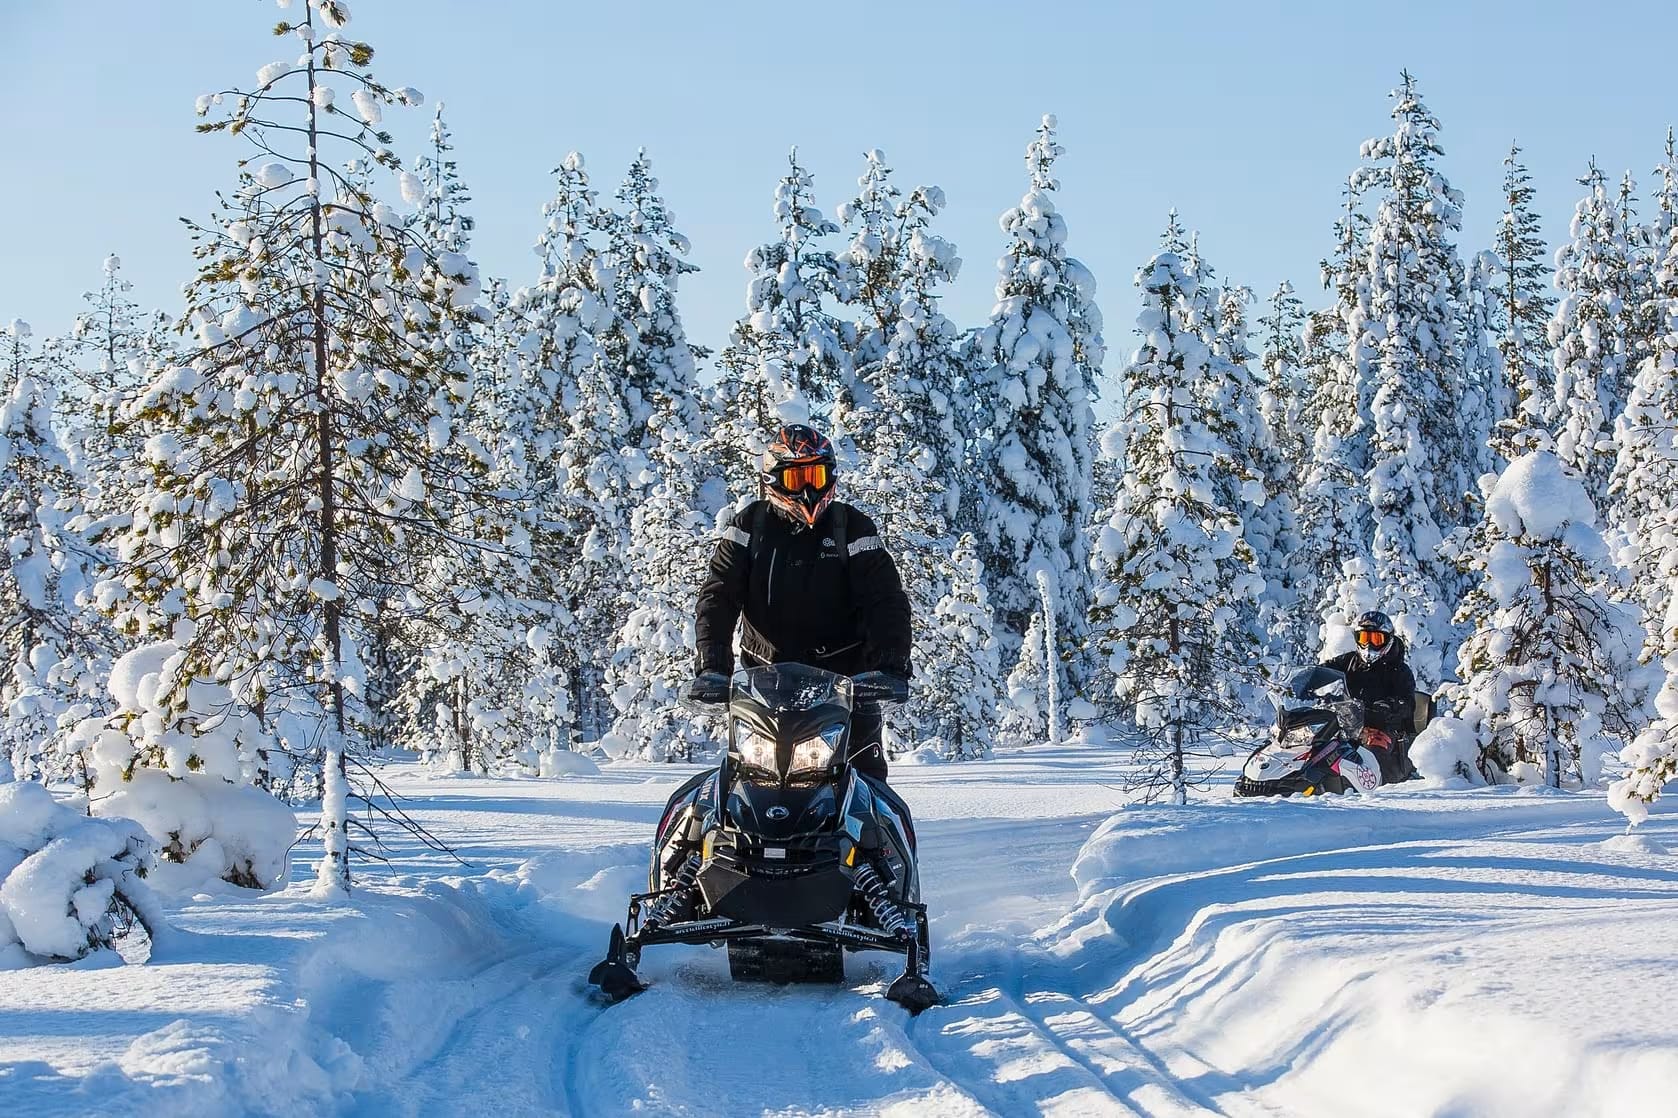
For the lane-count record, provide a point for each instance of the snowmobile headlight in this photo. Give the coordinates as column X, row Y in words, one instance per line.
column 1300, row 737
column 754, row 749
column 815, row 754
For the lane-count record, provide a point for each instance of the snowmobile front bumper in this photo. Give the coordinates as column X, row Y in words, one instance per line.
column 616, row 978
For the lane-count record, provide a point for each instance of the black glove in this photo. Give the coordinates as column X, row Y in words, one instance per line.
column 883, row 688
column 709, row 688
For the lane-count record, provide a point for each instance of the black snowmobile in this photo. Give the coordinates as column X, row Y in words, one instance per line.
column 1317, row 744
column 784, row 853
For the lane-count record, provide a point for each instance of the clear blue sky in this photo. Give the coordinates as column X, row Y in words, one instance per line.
column 1244, row 116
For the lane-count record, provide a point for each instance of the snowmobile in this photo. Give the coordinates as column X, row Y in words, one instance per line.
column 1317, row 745
column 784, row 853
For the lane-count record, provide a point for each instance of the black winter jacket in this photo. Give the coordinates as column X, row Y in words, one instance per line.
column 801, row 599
column 1387, row 688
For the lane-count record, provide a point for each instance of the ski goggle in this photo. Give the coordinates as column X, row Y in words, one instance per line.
column 1371, row 638
column 813, row 475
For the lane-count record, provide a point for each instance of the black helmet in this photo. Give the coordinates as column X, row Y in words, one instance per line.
column 798, row 471
column 1375, row 635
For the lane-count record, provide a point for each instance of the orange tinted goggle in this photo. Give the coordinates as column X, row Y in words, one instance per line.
column 1372, row 638
column 811, row 476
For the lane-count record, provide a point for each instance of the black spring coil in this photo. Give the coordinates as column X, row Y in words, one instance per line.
column 678, row 894
column 885, row 910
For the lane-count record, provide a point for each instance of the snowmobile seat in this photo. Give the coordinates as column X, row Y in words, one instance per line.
column 1424, row 711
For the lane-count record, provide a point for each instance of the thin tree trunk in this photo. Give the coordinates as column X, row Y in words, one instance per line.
column 334, row 875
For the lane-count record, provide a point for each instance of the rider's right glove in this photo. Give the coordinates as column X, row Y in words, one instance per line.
column 708, row 687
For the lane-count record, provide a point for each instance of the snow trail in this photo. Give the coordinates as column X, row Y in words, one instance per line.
column 1239, row 958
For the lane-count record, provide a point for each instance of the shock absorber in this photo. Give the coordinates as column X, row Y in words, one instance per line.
column 676, row 897
column 885, row 910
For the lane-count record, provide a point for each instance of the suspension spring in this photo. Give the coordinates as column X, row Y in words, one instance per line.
column 885, row 910
column 679, row 894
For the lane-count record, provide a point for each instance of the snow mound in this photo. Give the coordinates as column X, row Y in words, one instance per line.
column 566, row 762
column 1635, row 844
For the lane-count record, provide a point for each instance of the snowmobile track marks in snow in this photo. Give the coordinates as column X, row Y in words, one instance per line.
column 1051, row 1056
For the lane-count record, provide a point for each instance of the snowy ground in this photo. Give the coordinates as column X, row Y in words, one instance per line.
column 1421, row 953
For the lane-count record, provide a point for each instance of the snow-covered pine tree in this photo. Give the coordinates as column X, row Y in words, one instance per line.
column 1485, row 393
column 961, row 661
column 911, row 471
column 1422, row 456
column 669, row 537
column 1644, row 484
column 1043, row 349
column 1287, row 606
column 1172, row 570
column 50, row 659
column 1281, row 361
column 1521, row 311
column 647, row 257
column 1592, row 335
column 789, row 354
column 1333, row 509
column 104, row 358
column 1550, row 673
column 1254, row 479
column 307, row 438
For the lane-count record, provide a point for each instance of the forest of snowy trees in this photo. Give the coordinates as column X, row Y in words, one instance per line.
column 353, row 496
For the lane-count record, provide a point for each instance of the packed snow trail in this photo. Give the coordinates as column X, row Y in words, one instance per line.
column 1240, row 958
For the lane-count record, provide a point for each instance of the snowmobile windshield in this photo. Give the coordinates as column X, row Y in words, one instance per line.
column 1318, row 685
column 783, row 688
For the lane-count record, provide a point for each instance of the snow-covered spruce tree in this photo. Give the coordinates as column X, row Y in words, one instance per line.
column 566, row 469
column 1422, row 452
column 1333, row 507
column 1290, row 589
column 789, row 355
column 1591, row 333
column 1485, row 396
column 105, row 357
column 306, row 443
column 965, row 682
column 1550, row 673
column 1043, row 349
column 911, row 472
column 1255, row 479
column 1521, row 311
column 1172, row 570
column 1281, row 361
column 1644, row 483
column 51, row 658
column 669, row 536
column 1025, row 708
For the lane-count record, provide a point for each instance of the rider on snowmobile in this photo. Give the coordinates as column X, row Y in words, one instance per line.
column 813, row 581
column 1377, row 675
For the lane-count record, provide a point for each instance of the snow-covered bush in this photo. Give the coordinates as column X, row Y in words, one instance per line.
column 1550, row 674
column 68, row 884
column 184, row 774
column 1652, row 759
column 1448, row 752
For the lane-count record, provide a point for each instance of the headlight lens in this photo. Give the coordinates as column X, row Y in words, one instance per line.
column 815, row 754
column 754, row 749
column 1300, row 737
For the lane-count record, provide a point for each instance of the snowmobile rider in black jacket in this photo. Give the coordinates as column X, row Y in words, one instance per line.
column 1377, row 675
column 812, row 581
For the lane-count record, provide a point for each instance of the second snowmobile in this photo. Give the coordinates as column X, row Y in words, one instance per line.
column 1317, row 745
column 784, row 853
